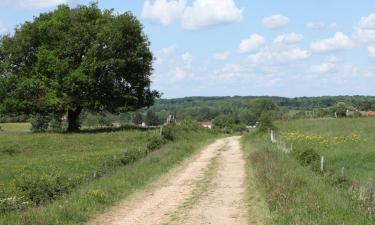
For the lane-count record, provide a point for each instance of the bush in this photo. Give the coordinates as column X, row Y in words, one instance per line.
column 172, row 132
column 307, row 157
column 155, row 142
column 43, row 188
column 39, row 123
column 132, row 155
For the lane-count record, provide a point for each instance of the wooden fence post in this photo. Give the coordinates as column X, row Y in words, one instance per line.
column 370, row 190
column 322, row 164
column 343, row 172
column 161, row 131
column 94, row 175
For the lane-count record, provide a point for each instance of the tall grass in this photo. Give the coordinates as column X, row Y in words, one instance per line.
column 297, row 195
column 345, row 143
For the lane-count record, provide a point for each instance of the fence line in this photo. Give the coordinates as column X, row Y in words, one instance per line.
column 363, row 192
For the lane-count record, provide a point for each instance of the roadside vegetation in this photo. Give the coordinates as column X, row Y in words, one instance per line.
column 293, row 185
column 54, row 178
column 295, row 194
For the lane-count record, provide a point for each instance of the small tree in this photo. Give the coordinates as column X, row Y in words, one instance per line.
column 265, row 122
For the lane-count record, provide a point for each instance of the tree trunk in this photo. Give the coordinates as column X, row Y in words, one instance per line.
column 73, row 116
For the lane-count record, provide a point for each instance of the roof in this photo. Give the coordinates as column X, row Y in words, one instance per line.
column 205, row 123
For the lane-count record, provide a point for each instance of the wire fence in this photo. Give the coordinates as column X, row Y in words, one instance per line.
column 363, row 192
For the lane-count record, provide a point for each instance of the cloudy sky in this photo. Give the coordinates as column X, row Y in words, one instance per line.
column 241, row 47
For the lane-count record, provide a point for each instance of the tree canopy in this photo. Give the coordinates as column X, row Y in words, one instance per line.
column 73, row 59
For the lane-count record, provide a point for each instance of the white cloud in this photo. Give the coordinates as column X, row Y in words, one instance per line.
column 251, row 44
column 371, row 51
column 367, row 22
column 338, row 42
column 322, row 26
column 272, row 55
column 275, row 21
column 186, row 57
column 34, row 4
column 163, row 11
column 274, row 82
column 365, row 30
column 322, row 68
column 200, row 15
column 178, row 75
column 207, row 13
column 163, row 54
column 229, row 71
column 290, row 38
column 221, row 55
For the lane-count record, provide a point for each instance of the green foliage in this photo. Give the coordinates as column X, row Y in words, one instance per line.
column 44, row 187
column 72, row 59
column 137, row 118
column 155, row 142
column 152, row 119
column 39, row 123
column 174, row 131
column 340, row 109
column 223, row 122
column 265, row 123
column 307, row 157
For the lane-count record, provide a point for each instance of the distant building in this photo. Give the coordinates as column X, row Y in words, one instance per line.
column 206, row 124
column 350, row 113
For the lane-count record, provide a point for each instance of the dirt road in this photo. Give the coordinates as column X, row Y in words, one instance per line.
column 207, row 189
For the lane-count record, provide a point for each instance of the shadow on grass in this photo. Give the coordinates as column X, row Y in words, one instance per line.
column 114, row 129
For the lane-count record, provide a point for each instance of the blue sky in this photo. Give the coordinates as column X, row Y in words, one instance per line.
column 240, row 47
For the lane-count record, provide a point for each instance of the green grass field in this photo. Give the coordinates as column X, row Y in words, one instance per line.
column 75, row 157
column 298, row 194
column 345, row 143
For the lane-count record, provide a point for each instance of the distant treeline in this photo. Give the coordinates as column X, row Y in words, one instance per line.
column 236, row 109
column 248, row 109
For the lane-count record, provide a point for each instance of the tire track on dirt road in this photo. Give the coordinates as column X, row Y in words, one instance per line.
column 222, row 202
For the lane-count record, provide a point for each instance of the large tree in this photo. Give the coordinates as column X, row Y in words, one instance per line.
column 73, row 59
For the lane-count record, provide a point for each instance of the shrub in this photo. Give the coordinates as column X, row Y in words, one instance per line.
column 39, row 123
column 43, row 188
column 132, row 155
column 155, row 142
column 307, row 157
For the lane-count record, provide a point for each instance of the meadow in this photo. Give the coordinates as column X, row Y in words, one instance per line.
column 296, row 192
column 74, row 176
column 343, row 142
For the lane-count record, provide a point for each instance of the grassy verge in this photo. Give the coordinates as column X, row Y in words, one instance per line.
column 93, row 197
column 295, row 194
column 259, row 213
